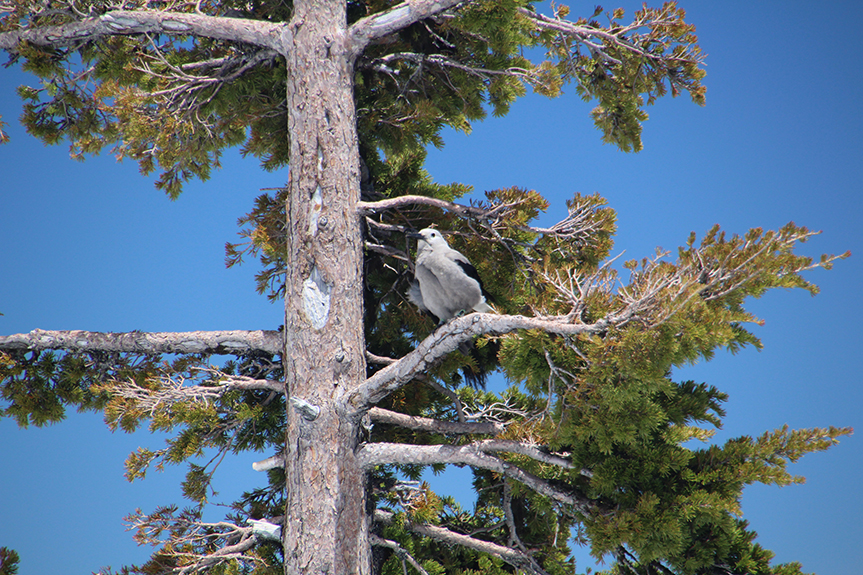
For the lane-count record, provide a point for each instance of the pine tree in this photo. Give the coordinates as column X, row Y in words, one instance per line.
column 358, row 392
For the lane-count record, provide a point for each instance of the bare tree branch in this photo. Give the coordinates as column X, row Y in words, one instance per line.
column 230, row 342
column 379, row 453
column 435, row 425
column 578, row 225
column 272, row 462
column 247, row 383
column 513, row 557
column 127, row 22
column 234, row 541
column 617, row 37
column 372, row 454
column 400, row 201
column 446, row 339
column 379, row 359
column 365, row 31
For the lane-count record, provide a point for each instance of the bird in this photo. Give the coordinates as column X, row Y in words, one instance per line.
column 445, row 282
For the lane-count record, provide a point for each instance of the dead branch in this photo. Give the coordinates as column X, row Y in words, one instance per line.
column 196, row 538
column 511, row 556
column 446, row 340
column 434, row 425
column 472, row 454
column 401, row 201
column 127, row 22
column 368, row 29
column 234, row 342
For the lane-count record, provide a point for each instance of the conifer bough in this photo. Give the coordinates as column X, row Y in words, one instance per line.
column 350, row 94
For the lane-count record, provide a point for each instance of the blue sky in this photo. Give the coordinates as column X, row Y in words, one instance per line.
column 94, row 246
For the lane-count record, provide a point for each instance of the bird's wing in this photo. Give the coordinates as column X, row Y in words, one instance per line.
column 471, row 272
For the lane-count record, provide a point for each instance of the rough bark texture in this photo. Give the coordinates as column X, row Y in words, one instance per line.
column 215, row 342
column 123, row 22
column 326, row 527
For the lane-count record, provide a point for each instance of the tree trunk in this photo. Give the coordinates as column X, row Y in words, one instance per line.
column 326, row 528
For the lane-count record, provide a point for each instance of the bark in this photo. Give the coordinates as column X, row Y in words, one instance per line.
column 380, row 453
column 397, row 202
column 472, row 454
column 326, row 526
column 447, row 338
column 124, row 22
column 435, row 425
column 512, row 556
column 230, row 342
column 377, row 26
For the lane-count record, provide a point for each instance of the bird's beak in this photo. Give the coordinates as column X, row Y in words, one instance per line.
column 414, row 235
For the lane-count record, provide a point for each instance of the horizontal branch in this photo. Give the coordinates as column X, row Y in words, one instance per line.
column 472, row 454
column 366, row 30
column 243, row 383
column 380, row 453
column 434, row 425
column 199, row 545
column 511, row 556
column 127, row 22
column 409, row 200
column 231, row 342
column 446, row 339
column 617, row 38
column 271, row 462
column 579, row 223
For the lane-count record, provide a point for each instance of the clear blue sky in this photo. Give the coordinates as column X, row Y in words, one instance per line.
column 94, row 246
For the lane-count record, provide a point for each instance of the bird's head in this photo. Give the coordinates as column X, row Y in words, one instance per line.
column 428, row 238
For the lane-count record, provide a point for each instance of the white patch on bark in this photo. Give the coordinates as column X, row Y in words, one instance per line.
column 265, row 529
column 315, row 213
column 316, row 299
column 395, row 15
column 307, row 410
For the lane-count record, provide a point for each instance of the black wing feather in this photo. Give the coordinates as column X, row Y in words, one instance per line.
column 471, row 272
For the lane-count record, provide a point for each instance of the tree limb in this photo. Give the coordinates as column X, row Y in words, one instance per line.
column 408, row 200
column 511, row 556
column 364, row 31
column 446, row 339
column 379, row 453
column 192, row 548
column 231, row 342
column 248, row 383
column 577, row 225
column 372, row 454
column 616, row 38
column 127, row 22
column 435, row 425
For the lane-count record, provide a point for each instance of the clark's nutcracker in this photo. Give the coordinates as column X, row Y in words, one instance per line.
column 446, row 283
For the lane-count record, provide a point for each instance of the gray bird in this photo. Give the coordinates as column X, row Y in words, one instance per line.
column 446, row 283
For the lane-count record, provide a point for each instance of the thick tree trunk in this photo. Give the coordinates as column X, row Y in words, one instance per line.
column 326, row 527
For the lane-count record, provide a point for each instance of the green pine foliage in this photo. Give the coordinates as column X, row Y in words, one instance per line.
column 651, row 490
column 173, row 103
column 8, row 561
